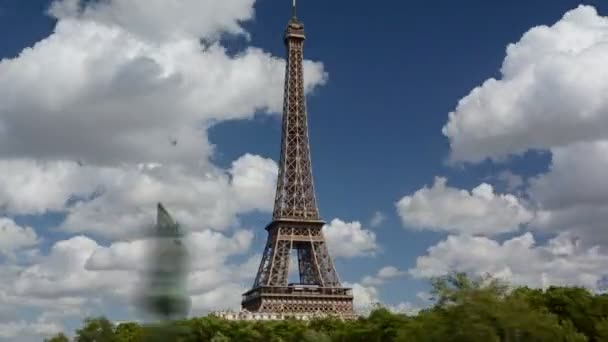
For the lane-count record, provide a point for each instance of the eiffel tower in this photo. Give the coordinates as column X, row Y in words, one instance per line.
column 296, row 224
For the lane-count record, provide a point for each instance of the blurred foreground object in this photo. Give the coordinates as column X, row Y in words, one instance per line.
column 164, row 294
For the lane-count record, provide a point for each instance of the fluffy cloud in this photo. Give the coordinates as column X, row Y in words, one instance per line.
column 481, row 211
column 118, row 202
column 348, row 240
column 405, row 308
column 563, row 185
column 253, row 182
column 21, row 182
column 63, row 274
column 124, row 204
column 365, row 298
column 108, row 115
column 512, row 181
column 549, row 98
column 98, row 94
column 573, row 195
column 208, row 248
column 219, row 298
column 28, row 331
column 377, row 219
column 133, row 113
column 551, row 93
column 384, row 274
column 14, row 237
column 78, row 275
column 161, row 21
column 520, row 260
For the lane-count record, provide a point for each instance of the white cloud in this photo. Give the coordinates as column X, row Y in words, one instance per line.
column 78, row 274
column 348, row 240
column 123, row 100
column 576, row 177
column 389, row 272
column 551, row 93
column 107, row 116
column 14, row 237
column 28, row 331
column 405, row 308
column 549, row 98
column 384, row 274
column 118, row 202
column 206, row 248
column 424, row 296
column 573, row 195
column 63, row 274
column 520, row 260
column 224, row 297
column 253, row 182
column 159, row 20
column 377, row 219
column 512, row 181
column 365, row 298
column 481, row 211
column 135, row 113
column 22, row 181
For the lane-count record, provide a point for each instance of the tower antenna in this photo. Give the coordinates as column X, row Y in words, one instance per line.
column 296, row 223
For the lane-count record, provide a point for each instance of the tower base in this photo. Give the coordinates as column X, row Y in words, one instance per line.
column 300, row 299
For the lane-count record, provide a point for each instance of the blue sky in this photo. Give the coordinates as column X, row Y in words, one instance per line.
column 384, row 80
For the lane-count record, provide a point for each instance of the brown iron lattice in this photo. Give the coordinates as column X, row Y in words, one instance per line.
column 296, row 222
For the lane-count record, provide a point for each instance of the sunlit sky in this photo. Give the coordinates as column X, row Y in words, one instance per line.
column 469, row 135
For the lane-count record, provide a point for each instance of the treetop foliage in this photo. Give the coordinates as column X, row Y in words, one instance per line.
column 465, row 310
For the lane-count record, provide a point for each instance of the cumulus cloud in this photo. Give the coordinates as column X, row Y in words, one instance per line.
column 365, row 298
column 377, row 219
column 14, row 237
column 520, row 260
column 576, row 177
column 480, row 211
column 512, row 181
column 22, row 181
column 79, row 274
column 107, row 116
column 105, row 119
column 29, row 331
column 125, row 200
column 573, row 195
column 208, row 248
column 119, row 202
column 384, row 274
column 349, row 239
column 551, row 93
column 549, row 98
column 405, row 308
column 107, row 122
column 62, row 273
column 160, row 20
column 98, row 94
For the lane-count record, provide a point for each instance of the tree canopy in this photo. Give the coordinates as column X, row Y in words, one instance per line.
column 465, row 310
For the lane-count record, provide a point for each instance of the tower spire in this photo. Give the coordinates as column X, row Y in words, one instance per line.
column 296, row 223
column 295, row 195
column 293, row 9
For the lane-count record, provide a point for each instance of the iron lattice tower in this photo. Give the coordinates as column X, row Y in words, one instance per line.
column 296, row 223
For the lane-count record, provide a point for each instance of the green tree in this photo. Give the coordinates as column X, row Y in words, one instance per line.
column 481, row 309
column 314, row 336
column 219, row 337
column 467, row 309
column 58, row 338
column 129, row 332
column 96, row 330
